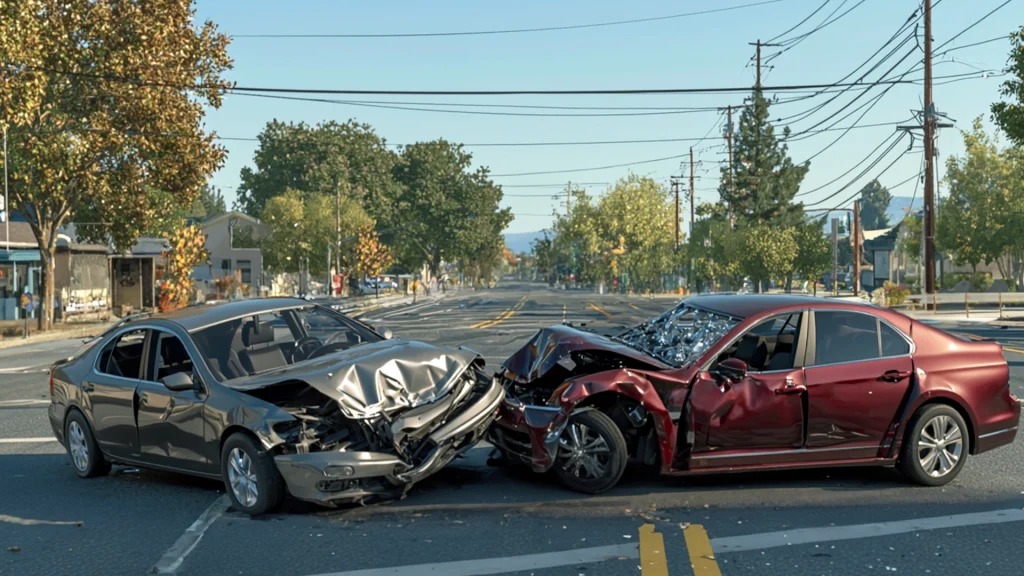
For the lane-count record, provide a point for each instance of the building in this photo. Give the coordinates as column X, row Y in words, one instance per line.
column 224, row 232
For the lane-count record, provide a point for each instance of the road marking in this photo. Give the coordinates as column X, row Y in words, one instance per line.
column 501, row 317
column 858, row 531
column 176, row 554
column 652, row 552
column 599, row 309
column 1014, row 350
column 702, row 554
column 635, row 307
column 31, row 522
column 563, row 313
column 24, row 403
column 19, row 369
column 27, row 440
column 506, row 564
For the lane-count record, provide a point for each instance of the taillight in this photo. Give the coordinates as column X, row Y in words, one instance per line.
column 51, row 382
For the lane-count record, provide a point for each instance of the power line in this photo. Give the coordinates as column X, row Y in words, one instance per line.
column 589, row 169
column 976, row 22
column 852, row 168
column 864, row 172
column 800, row 23
column 514, row 30
column 973, row 44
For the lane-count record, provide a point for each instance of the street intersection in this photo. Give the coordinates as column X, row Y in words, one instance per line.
column 475, row 519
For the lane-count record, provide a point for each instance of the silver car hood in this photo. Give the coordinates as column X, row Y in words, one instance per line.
column 380, row 377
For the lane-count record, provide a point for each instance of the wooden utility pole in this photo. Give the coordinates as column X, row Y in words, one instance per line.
column 929, row 156
column 337, row 245
column 568, row 198
column 692, row 213
column 835, row 256
column 728, row 137
column 856, row 247
column 759, row 44
column 675, row 189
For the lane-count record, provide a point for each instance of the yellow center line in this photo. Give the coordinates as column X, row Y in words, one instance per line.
column 702, row 557
column 652, row 552
column 634, row 307
column 599, row 309
column 1014, row 350
column 501, row 317
column 563, row 313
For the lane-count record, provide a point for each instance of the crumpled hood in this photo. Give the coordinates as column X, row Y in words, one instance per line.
column 375, row 378
column 551, row 344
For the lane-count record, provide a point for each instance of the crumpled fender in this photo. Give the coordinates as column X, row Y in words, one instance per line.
column 544, row 424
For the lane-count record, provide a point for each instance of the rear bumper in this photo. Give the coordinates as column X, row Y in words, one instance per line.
column 332, row 478
column 1004, row 434
column 55, row 414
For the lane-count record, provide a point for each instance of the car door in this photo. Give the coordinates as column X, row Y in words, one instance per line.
column 171, row 424
column 735, row 420
column 859, row 370
column 110, row 391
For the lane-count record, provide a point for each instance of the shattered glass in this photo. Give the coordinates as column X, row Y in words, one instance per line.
column 680, row 336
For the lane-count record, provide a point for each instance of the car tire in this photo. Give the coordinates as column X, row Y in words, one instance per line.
column 935, row 447
column 592, row 453
column 251, row 478
column 83, row 452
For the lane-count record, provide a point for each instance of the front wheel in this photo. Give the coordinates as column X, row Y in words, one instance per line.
column 592, row 453
column 251, row 478
column 936, row 446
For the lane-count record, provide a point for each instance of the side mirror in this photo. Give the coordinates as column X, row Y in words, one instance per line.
column 732, row 369
column 178, row 382
column 387, row 334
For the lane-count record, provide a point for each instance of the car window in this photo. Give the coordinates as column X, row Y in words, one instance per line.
column 845, row 337
column 768, row 346
column 893, row 343
column 169, row 357
column 123, row 355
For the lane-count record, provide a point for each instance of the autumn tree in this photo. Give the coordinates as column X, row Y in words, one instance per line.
column 187, row 250
column 101, row 98
column 372, row 256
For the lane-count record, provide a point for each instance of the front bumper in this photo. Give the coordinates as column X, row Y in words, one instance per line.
column 529, row 433
column 332, row 478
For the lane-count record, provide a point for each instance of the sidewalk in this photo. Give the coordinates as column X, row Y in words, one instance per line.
column 60, row 332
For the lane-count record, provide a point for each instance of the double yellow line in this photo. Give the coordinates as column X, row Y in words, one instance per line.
column 599, row 309
column 653, row 561
column 501, row 317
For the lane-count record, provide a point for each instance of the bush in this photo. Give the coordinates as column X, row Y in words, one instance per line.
column 895, row 294
column 979, row 281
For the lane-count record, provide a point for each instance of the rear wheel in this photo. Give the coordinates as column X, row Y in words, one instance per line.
column 592, row 453
column 83, row 451
column 251, row 478
column 936, row 446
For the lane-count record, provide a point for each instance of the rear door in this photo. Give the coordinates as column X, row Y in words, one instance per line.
column 171, row 423
column 110, row 389
column 858, row 374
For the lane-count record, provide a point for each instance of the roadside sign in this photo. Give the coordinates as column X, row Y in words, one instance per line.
column 27, row 301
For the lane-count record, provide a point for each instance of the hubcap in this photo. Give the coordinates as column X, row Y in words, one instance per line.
column 940, row 446
column 584, row 452
column 76, row 444
column 242, row 478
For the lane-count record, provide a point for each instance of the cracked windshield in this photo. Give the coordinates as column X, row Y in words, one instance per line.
column 712, row 287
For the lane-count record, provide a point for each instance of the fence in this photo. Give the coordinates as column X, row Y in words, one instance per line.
column 1004, row 302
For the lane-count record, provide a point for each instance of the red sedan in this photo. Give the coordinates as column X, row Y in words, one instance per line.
column 726, row 383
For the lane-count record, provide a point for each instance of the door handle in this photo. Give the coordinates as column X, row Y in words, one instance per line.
column 895, row 375
column 88, row 387
column 791, row 389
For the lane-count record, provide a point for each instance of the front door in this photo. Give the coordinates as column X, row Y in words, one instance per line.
column 171, row 423
column 859, row 372
column 733, row 422
column 110, row 390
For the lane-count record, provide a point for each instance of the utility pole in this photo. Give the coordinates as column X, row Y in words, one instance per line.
column 929, row 157
column 7, row 205
column 759, row 44
column 337, row 245
column 568, row 198
column 856, row 247
column 675, row 189
column 835, row 256
column 728, row 136
column 692, row 213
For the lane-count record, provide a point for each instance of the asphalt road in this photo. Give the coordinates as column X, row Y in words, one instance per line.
column 475, row 519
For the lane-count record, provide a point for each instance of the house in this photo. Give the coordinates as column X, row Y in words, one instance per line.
column 223, row 232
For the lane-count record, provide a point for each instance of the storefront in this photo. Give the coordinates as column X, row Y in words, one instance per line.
column 19, row 273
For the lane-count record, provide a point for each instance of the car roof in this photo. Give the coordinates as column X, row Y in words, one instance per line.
column 747, row 305
column 193, row 318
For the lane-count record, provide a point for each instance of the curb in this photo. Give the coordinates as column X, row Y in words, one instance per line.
column 84, row 332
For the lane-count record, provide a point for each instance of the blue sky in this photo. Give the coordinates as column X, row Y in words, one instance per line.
column 708, row 50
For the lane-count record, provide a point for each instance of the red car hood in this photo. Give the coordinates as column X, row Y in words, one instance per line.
column 555, row 343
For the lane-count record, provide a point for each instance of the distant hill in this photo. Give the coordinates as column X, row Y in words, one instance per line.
column 896, row 211
column 522, row 241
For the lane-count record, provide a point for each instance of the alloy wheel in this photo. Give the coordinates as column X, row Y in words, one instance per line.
column 242, row 478
column 940, row 446
column 78, row 446
column 584, row 452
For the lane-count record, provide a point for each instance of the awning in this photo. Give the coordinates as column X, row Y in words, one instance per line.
column 20, row 256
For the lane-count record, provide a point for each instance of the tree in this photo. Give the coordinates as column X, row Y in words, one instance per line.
column 637, row 213
column 874, row 202
column 1010, row 115
column 714, row 245
column 303, row 228
column 372, row 256
column 580, row 241
column 100, row 99
column 321, row 159
column 910, row 238
column 814, row 251
column 763, row 181
column 187, row 250
column 444, row 212
column 767, row 253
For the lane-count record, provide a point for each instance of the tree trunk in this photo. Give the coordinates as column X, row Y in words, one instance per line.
column 47, row 253
column 789, row 283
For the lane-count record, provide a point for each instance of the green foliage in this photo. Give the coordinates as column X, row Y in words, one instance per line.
column 814, row 251
column 1010, row 115
column 210, row 202
column 979, row 281
column 909, row 241
column 763, row 181
column 895, row 294
column 874, row 201
column 767, row 253
column 714, row 248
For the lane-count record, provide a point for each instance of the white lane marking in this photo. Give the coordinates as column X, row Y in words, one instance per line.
column 18, row 369
column 176, row 554
column 27, row 440
column 24, row 402
column 506, row 564
column 31, row 522
column 858, row 531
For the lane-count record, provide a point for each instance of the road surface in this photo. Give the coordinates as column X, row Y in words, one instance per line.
column 475, row 519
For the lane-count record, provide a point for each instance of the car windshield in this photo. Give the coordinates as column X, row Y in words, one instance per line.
column 680, row 336
column 274, row 339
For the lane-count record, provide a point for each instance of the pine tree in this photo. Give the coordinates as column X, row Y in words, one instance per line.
column 763, row 181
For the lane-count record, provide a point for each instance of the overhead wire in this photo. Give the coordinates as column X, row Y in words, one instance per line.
column 864, row 172
column 800, row 23
column 852, row 168
column 975, row 23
